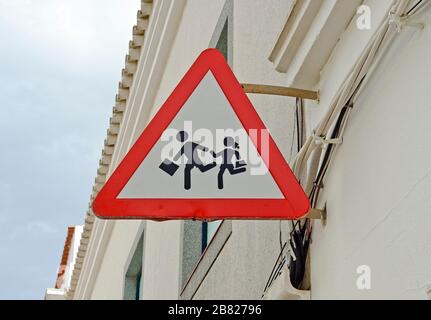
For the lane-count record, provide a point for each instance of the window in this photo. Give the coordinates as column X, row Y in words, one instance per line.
column 222, row 43
column 132, row 281
column 197, row 235
column 222, row 40
column 208, row 231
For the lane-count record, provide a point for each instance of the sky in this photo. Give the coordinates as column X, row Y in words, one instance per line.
column 60, row 64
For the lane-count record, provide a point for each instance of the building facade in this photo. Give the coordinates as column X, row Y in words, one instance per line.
column 67, row 263
column 361, row 153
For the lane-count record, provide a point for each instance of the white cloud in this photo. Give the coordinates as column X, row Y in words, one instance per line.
column 14, row 3
column 31, row 231
column 78, row 30
column 60, row 62
column 38, row 227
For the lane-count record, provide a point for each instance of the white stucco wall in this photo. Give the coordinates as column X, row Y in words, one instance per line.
column 110, row 278
column 161, row 265
column 246, row 261
column 163, row 240
column 378, row 191
column 256, row 26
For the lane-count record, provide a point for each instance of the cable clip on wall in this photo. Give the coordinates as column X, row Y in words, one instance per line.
column 323, row 142
column 399, row 21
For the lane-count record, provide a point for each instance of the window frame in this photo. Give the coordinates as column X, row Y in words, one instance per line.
column 192, row 277
column 133, row 268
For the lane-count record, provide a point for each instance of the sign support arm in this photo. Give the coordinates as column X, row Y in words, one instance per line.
column 280, row 91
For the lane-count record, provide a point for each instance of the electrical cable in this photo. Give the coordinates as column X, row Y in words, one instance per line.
column 297, row 240
column 415, row 6
column 352, row 88
column 335, row 120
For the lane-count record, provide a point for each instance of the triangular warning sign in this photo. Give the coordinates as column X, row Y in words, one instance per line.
column 205, row 155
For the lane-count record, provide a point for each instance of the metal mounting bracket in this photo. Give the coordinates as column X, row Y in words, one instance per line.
column 317, row 214
column 280, row 91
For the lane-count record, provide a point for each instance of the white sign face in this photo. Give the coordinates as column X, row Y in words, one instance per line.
column 204, row 153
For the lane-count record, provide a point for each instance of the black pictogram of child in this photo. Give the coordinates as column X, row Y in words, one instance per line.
column 190, row 150
column 227, row 154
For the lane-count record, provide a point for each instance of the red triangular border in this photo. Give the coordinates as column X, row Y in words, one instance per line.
column 294, row 206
